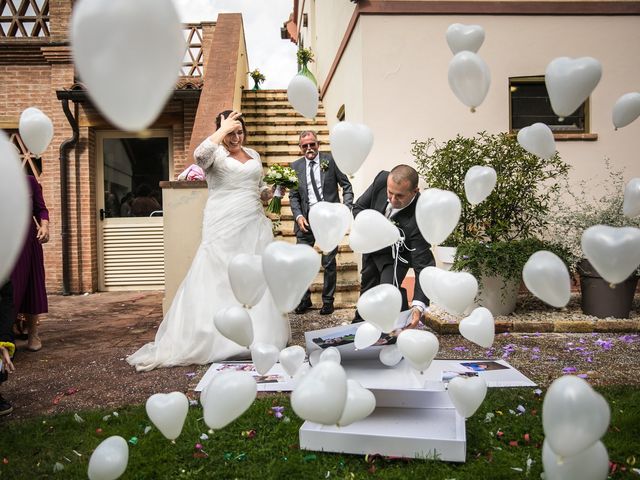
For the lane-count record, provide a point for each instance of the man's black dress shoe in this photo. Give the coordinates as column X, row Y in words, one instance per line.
column 327, row 309
column 303, row 306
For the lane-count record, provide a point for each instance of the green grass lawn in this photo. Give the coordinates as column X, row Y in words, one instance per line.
column 32, row 448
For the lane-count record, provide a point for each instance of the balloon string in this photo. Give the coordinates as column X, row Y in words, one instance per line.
column 395, row 253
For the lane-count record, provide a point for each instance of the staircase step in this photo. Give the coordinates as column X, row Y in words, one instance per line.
column 274, row 128
column 278, row 130
column 271, row 139
column 288, row 120
column 256, row 114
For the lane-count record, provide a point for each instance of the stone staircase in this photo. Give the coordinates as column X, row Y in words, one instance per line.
column 273, row 128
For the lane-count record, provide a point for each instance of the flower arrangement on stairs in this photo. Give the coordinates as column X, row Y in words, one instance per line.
column 258, row 77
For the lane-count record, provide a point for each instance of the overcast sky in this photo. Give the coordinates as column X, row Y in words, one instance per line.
column 276, row 58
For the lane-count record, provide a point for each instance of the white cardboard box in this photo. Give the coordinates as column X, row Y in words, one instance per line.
column 414, row 418
column 427, row 426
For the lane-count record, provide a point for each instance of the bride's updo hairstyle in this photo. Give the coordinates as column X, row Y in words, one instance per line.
column 225, row 114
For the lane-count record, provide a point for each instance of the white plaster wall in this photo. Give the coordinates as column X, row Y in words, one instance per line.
column 406, row 96
column 330, row 20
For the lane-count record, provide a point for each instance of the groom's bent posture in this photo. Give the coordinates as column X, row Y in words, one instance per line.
column 395, row 194
column 318, row 180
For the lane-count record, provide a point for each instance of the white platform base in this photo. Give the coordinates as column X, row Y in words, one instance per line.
column 425, row 433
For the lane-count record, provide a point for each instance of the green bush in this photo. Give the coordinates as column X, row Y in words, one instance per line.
column 596, row 202
column 518, row 206
column 498, row 235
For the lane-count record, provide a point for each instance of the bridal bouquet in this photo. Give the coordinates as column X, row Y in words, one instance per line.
column 280, row 177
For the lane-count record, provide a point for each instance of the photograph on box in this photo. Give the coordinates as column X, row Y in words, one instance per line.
column 348, row 335
column 483, row 366
column 448, row 375
column 249, row 367
column 497, row 373
column 343, row 338
column 275, row 380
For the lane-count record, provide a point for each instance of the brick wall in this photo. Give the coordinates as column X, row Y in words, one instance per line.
column 219, row 76
column 35, row 83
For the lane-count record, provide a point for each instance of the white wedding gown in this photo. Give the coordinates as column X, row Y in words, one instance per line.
column 234, row 222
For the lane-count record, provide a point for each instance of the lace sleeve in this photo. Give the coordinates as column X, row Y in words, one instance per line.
column 208, row 153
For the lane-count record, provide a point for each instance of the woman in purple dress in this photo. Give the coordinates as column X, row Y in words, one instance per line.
column 29, row 293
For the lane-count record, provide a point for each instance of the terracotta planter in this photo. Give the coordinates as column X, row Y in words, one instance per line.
column 599, row 299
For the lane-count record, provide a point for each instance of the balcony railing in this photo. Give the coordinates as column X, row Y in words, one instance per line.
column 192, row 64
column 24, row 18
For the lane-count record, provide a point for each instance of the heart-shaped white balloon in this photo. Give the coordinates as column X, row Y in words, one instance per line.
column 456, row 291
column 538, row 140
column 15, row 206
column 371, row 232
column 246, row 278
column 614, row 252
column 380, row 306
column 329, row 222
column 453, row 291
column 419, row 347
column 479, row 182
column 168, row 411
column 350, row 145
column 462, row 37
column 314, row 357
column 574, row 416
column 36, row 130
column 109, row 460
column 235, row 324
column 359, row 405
column 331, row 354
column 390, row 355
column 469, row 78
column 570, row 81
column 479, row 327
column 366, row 335
column 264, row 356
column 467, row 394
column 227, row 396
column 117, row 68
column 631, row 203
column 590, row 464
column 626, row 109
column 289, row 270
column 292, row 358
column 437, row 214
column 321, row 394
column 547, row 277
column 428, row 278
column 303, row 96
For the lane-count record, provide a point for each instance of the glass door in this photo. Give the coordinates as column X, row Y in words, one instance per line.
column 129, row 204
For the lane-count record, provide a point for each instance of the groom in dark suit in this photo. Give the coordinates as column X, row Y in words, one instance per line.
column 318, row 180
column 395, row 194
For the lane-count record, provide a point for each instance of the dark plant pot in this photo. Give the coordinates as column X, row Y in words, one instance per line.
column 599, row 299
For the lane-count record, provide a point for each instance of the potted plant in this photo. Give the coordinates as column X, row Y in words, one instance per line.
column 257, row 77
column 495, row 238
column 595, row 203
column 305, row 56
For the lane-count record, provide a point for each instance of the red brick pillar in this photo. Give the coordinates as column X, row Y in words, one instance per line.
column 219, row 76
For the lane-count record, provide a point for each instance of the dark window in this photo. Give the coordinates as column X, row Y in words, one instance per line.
column 530, row 104
column 134, row 167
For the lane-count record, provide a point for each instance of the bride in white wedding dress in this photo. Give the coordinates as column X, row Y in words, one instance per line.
column 234, row 222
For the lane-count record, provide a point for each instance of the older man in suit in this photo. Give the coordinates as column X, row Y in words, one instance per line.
column 395, row 194
column 318, row 180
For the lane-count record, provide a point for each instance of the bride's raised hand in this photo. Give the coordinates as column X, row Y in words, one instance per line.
column 231, row 122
